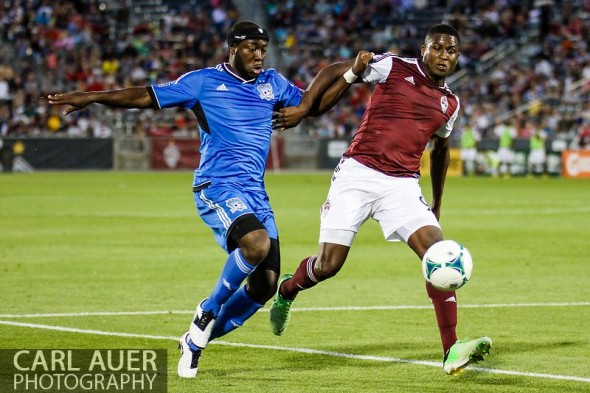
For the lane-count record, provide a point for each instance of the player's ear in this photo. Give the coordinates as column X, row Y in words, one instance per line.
column 422, row 50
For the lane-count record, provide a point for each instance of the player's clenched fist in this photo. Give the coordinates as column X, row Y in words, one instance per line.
column 361, row 62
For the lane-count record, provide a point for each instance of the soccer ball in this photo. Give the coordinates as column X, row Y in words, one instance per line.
column 447, row 265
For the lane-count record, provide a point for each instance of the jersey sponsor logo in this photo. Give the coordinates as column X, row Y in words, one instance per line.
column 265, row 90
column 235, row 205
column 221, row 87
column 410, row 79
column 444, row 104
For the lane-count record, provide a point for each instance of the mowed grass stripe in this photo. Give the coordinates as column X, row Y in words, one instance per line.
column 302, row 309
column 298, row 350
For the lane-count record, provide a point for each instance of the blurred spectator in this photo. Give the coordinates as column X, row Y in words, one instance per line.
column 469, row 139
column 537, row 155
column 506, row 133
column 582, row 140
column 83, row 45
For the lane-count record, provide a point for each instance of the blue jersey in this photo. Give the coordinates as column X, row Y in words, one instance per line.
column 234, row 118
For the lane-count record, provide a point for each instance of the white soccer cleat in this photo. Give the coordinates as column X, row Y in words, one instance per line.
column 189, row 360
column 201, row 327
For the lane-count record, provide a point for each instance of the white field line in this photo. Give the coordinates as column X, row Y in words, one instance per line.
column 302, row 309
column 299, row 350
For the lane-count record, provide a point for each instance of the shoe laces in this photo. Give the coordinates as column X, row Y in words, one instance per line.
column 195, row 358
column 285, row 306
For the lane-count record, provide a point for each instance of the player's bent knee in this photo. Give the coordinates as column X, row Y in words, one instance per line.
column 326, row 268
column 249, row 234
column 255, row 246
column 331, row 258
column 423, row 238
column 262, row 283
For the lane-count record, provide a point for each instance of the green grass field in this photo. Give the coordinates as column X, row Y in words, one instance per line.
column 121, row 259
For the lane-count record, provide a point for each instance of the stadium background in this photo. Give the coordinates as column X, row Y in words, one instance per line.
column 523, row 62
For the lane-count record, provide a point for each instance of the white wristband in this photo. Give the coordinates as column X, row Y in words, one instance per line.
column 350, row 76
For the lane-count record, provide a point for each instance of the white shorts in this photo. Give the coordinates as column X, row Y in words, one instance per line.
column 537, row 157
column 505, row 155
column 468, row 154
column 358, row 193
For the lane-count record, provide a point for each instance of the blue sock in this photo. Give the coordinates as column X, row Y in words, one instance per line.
column 234, row 313
column 234, row 272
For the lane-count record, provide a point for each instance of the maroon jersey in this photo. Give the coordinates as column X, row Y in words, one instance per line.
column 405, row 110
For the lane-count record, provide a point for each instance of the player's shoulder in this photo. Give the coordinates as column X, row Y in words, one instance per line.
column 272, row 75
column 390, row 56
column 192, row 75
column 390, row 61
column 216, row 69
column 207, row 71
column 381, row 56
column 270, row 71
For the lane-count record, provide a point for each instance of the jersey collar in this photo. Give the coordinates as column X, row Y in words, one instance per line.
column 228, row 68
column 443, row 87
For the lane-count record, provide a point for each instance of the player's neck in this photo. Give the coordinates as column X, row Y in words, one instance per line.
column 437, row 81
column 235, row 70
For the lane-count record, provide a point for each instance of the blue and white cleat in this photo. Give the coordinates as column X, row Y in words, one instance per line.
column 189, row 358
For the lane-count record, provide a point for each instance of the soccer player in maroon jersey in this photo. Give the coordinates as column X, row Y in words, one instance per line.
column 378, row 175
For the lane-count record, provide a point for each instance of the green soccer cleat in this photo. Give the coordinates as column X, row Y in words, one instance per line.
column 280, row 310
column 464, row 352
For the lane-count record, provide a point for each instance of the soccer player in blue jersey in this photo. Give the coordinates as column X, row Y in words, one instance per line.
column 234, row 104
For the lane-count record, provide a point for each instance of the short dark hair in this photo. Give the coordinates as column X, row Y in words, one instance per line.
column 442, row 29
column 246, row 30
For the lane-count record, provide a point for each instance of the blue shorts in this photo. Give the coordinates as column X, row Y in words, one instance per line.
column 221, row 205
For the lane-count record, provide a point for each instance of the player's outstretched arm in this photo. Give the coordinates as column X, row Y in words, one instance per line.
column 324, row 91
column 439, row 163
column 131, row 97
column 341, row 84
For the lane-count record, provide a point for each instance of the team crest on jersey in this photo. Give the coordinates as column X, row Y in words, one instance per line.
column 235, row 205
column 266, row 92
column 444, row 104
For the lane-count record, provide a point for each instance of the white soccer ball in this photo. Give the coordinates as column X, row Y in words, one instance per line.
column 447, row 265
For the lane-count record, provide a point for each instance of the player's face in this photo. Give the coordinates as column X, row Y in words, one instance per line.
column 248, row 57
column 440, row 54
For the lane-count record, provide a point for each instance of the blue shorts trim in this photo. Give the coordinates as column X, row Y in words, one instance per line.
column 220, row 206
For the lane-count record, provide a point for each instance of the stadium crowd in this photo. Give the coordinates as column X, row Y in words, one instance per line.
column 534, row 86
column 90, row 45
column 69, row 44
